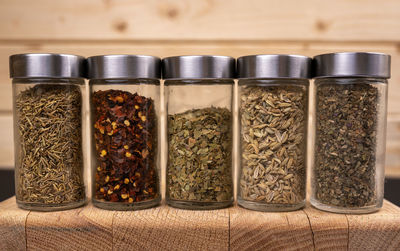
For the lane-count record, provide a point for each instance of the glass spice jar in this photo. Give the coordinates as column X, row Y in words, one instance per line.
column 125, row 107
column 48, row 109
column 273, row 119
column 350, row 131
column 199, row 109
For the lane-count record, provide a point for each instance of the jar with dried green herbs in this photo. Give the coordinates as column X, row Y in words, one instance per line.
column 199, row 129
column 125, row 102
column 48, row 127
column 350, row 131
column 273, row 119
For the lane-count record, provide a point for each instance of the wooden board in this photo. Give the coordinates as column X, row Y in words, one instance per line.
column 330, row 231
column 339, row 20
column 86, row 228
column 165, row 228
column 251, row 230
column 6, row 141
column 364, row 236
column 12, row 226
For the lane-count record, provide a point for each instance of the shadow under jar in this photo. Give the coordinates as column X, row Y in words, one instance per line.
column 350, row 132
column 273, row 118
column 199, row 129
column 48, row 108
column 125, row 102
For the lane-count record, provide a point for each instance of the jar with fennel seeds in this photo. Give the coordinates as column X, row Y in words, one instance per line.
column 350, row 131
column 273, row 119
column 199, row 130
column 48, row 126
column 125, row 107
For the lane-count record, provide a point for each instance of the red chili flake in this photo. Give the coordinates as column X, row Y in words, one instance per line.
column 125, row 140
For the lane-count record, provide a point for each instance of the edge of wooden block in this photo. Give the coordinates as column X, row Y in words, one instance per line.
column 12, row 225
column 234, row 228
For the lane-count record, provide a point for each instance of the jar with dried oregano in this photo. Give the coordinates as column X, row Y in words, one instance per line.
column 273, row 119
column 199, row 129
column 350, row 131
column 125, row 102
column 48, row 127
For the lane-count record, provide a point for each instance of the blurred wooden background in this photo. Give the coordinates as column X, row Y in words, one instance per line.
column 175, row 27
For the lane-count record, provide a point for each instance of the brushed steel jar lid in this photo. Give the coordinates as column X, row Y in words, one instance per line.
column 46, row 65
column 274, row 66
column 198, row 67
column 352, row 64
column 124, row 67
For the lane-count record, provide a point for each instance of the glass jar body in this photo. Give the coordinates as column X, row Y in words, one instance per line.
column 273, row 119
column 350, row 137
column 199, row 132
column 48, row 128
column 125, row 143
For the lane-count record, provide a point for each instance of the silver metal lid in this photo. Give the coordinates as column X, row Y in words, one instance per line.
column 47, row 66
column 124, row 66
column 352, row 64
column 274, row 66
column 198, row 67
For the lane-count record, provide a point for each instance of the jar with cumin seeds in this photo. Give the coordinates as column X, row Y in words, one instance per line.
column 48, row 126
column 273, row 120
column 350, row 131
column 199, row 129
column 125, row 107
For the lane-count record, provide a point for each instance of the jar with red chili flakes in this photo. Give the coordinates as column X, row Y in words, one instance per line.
column 125, row 103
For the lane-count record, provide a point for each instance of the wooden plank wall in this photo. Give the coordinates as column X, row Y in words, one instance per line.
column 176, row 27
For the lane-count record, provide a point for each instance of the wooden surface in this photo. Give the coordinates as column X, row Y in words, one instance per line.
column 339, row 20
column 165, row 228
column 176, row 27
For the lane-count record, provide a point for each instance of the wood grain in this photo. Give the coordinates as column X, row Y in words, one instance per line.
column 165, row 228
column 339, row 20
column 330, row 231
column 87, row 228
column 12, row 226
column 379, row 231
column 251, row 230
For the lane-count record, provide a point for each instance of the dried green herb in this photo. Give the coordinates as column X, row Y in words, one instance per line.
column 273, row 127
column 49, row 163
column 125, row 146
column 345, row 144
column 199, row 155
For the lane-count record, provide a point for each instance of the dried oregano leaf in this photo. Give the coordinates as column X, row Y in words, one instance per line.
column 199, row 155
